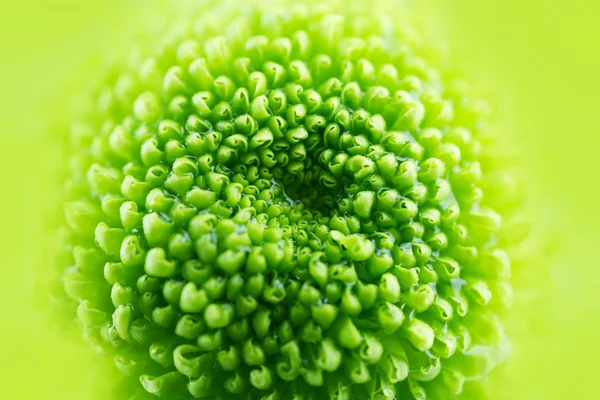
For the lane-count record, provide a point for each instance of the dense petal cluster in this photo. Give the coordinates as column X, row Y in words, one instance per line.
column 286, row 204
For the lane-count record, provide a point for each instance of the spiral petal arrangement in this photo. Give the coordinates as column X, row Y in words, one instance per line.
column 287, row 203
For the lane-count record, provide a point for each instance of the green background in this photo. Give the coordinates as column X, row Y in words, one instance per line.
column 539, row 57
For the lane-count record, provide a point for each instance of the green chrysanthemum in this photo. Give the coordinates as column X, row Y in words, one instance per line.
column 287, row 203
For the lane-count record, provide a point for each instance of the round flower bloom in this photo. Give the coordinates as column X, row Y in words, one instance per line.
column 287, row 203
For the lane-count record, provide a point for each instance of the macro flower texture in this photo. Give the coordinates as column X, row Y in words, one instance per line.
column 287, row 201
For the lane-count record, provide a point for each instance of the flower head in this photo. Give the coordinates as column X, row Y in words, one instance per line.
column 286, row 203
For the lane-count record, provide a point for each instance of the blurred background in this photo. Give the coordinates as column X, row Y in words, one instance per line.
column 541, row 58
